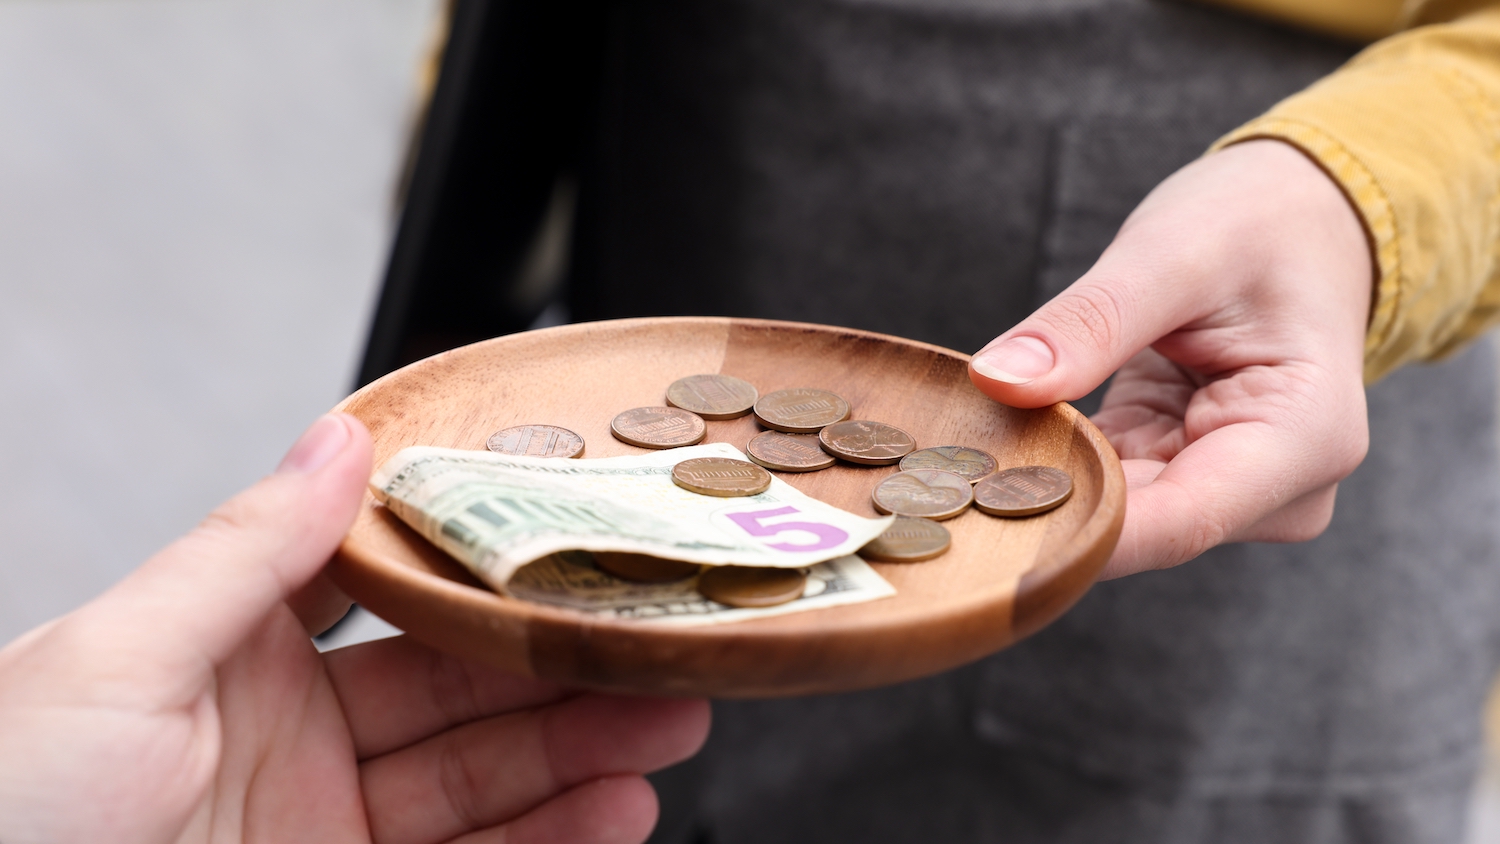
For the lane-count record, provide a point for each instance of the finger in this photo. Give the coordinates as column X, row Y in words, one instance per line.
column 396, row 692
column 492, row 771
column 1303, row 519
column 200, row 597
column 1139, row 473
column 1193, row 505
column 1139, row 291
column 1181, row 264
column 1149, row 383
column 1143, row 410
column 612, row 810
column 1128, row 555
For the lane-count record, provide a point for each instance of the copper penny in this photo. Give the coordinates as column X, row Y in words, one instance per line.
column 788, row 452
column 908, row 540
column 536, row 441
column 926, row 493
column 752, row 586
column 722, row 477
column 803, row 410
column 869, row 443
column 713, row 396
column 974, row 465
column 643, row 568
column 1023, row 491
column 658, row 427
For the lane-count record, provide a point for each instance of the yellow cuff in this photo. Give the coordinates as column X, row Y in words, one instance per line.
column 1411, row 131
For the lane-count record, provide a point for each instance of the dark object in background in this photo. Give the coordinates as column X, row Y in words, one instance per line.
column 485, row 221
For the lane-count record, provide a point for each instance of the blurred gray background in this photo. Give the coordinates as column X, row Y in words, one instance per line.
column 195, row 209
column 194, row 214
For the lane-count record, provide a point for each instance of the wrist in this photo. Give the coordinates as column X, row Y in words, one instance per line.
column 1298, row 220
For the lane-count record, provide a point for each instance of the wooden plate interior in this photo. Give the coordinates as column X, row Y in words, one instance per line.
column 1003, row 578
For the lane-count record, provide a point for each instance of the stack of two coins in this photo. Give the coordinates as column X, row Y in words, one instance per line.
column 690, row 401
column 794, row 418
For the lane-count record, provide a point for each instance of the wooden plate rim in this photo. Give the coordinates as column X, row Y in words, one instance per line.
column 1043, row 593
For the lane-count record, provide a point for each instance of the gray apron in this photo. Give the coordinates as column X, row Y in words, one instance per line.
column 936, row 169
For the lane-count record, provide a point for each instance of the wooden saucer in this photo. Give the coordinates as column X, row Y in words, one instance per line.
column 1002, row 580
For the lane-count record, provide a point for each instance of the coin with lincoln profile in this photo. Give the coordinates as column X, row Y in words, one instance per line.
column 658, row 427
column 713, row 396
column 867, row 443
column 801, row 410
column 721, row 477
column 1023, row 491
column 536, row 441
column 971, row 463
column 924, row 493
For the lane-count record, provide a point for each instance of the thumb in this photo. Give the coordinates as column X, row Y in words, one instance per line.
column 1179, row 258
column 1071, row 344
column 212, row 587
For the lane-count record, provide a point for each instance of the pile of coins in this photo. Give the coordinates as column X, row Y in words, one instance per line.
column 808, row 430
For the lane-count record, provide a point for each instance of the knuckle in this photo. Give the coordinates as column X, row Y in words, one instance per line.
column 1356, row 447
column 1090, row 314
column 1307, row 523
column 1201, row 529
column 1300, row 521
column 1308, row 529
column 1205, row 534
column 263, row 510
column 1315, row 514
column 235, row 516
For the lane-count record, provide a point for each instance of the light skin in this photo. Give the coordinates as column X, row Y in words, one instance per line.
column 187, row 704
column 1234, row 303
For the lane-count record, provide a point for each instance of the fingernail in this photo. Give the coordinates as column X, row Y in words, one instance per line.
column 1018, row 360
column 319, row 444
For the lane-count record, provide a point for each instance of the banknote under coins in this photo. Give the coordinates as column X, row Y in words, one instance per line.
column 867, row 443
column 713, row 396
column 495, row 513
column 1023, row 491
column 536, row 441
column 802, row 410
column 909, row 540
column 925, row 493
column 970, row 463
column 572, row 579
column 658, row 427
column 721, row 477
column 788, row 452
column 744, row 586
column 641, row 568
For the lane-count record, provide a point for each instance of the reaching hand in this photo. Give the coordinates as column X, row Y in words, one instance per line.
column 1233, row 302
column 188, row 704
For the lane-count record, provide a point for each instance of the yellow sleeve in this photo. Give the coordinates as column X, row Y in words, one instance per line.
column 1410, row 129
column 1358, row 20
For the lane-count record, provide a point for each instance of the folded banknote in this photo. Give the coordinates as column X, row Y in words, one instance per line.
column 496, row 513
